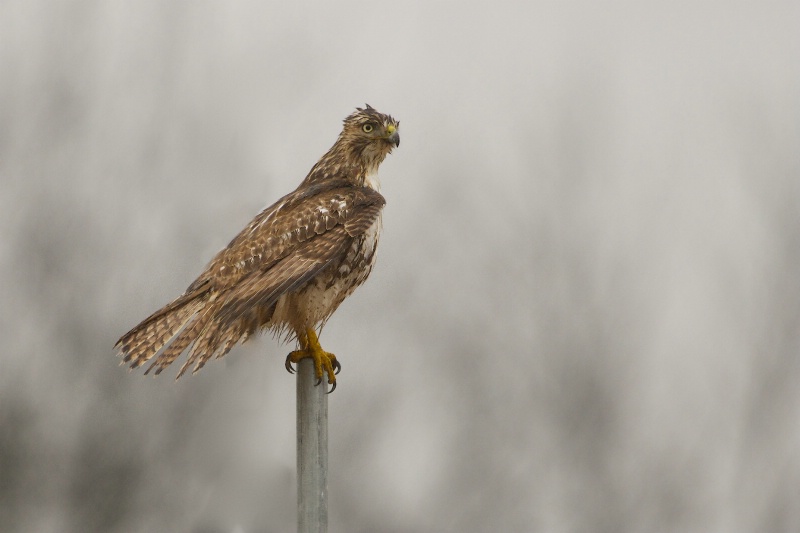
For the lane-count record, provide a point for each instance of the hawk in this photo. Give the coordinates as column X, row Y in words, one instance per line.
column 289, row 269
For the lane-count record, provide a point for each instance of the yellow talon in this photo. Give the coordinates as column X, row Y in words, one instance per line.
column 324, row 362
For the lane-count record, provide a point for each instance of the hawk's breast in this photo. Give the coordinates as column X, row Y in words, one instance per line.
column 322, row 295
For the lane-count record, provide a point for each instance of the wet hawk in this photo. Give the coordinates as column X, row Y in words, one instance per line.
column 289, row 269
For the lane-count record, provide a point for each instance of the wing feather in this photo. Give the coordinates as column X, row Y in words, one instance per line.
column 283, row 228
column 262, row 289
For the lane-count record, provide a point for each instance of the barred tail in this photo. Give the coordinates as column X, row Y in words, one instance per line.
column 144, row 341
column 214, row 338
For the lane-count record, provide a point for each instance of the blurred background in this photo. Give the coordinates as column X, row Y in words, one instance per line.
column 585, row 311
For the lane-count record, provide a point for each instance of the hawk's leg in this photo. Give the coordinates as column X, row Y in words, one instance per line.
column 324, row 362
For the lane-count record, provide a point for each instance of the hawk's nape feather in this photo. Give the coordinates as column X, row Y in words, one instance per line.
column 290, row 268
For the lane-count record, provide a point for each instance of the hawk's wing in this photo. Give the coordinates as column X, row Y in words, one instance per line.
column 294, row 240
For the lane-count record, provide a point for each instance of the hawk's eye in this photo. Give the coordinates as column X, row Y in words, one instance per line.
column 367, row 128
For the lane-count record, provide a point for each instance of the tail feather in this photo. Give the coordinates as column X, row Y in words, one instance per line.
column 229, row 339
column 145, row 340
column 156, row 335
column 192, row 321
column 181, row 342
column 203, row 347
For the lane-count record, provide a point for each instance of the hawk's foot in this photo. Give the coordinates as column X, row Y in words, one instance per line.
column 324, row 362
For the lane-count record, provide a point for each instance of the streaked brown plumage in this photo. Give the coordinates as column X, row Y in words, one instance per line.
column 289, row 269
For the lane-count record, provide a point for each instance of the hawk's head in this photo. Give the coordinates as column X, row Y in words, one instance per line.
column 370, row 135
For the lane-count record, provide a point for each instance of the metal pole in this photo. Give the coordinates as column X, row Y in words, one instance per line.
column 312, row 450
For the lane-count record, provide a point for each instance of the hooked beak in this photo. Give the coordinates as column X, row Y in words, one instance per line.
column 394, row 136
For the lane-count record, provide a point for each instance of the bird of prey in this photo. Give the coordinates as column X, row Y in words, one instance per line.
column 289, row 269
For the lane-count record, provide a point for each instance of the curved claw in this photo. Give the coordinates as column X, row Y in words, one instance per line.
column 333, row 385
column 288, row 364
column 337, row 367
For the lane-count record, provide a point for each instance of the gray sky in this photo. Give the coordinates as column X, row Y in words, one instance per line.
column 584, row 315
